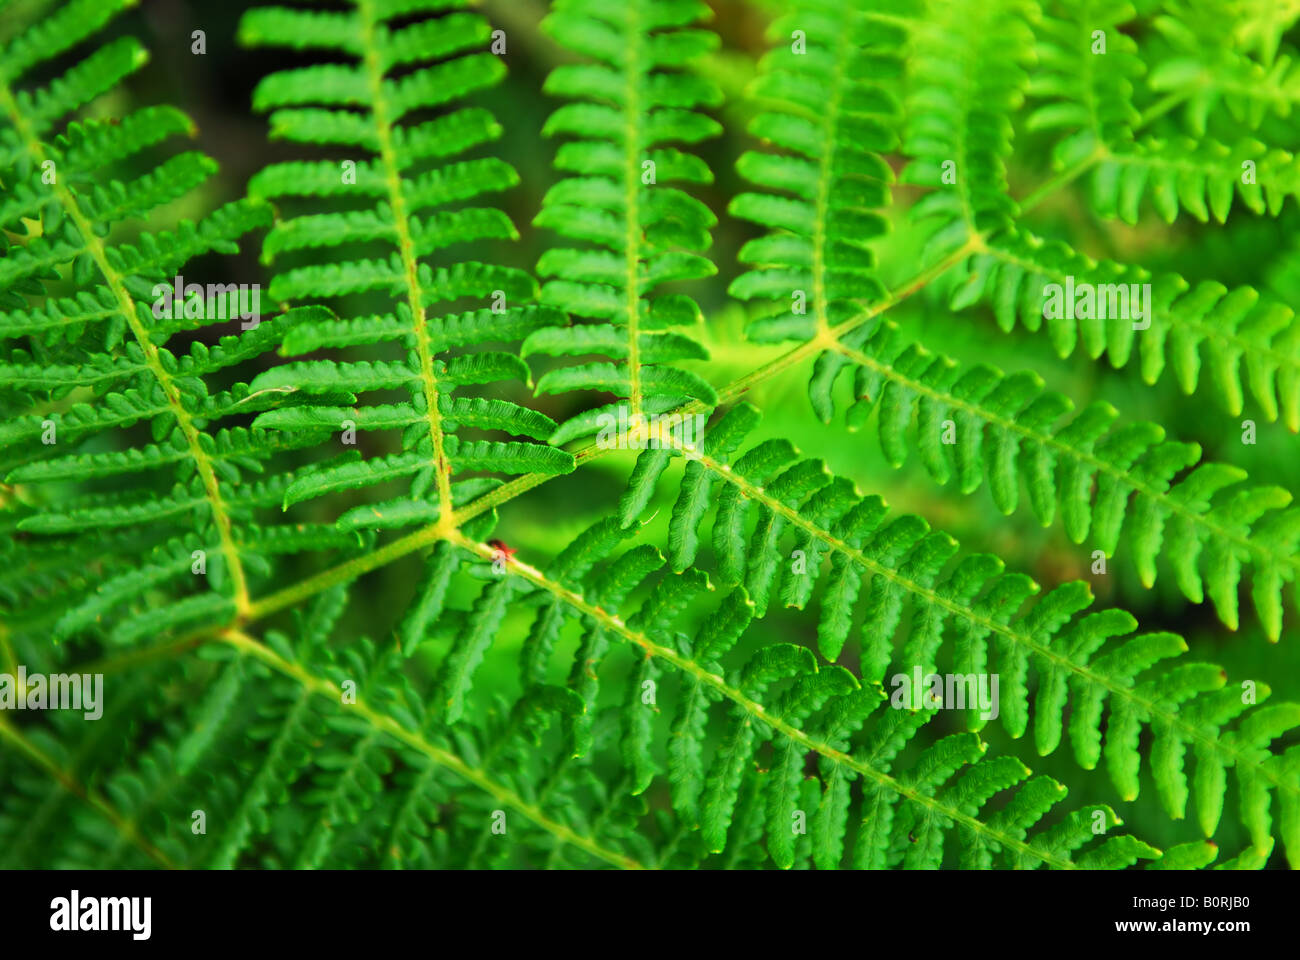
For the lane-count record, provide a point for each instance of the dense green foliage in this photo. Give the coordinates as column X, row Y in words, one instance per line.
column 373, row 582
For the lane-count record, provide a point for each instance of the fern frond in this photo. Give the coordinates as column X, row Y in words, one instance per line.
column 632, row 105
column 319, row 653
column 286, row 735
column 829, row 114
column 977, row 423
column 1087, row 83
column 1255, row 26
column 1189, row 327
column 1088, row 92
column 781, row 694
column 768, row 489
column 966, row 78
column 373, row 732
column 42, row 805
column 391, row 196
column 1200, row 177
column 1207, row 66
column 64, row 179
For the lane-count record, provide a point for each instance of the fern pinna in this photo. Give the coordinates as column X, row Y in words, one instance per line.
column 86, row 346
column 616, row 194
column 295, row 540
column 388, row 199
